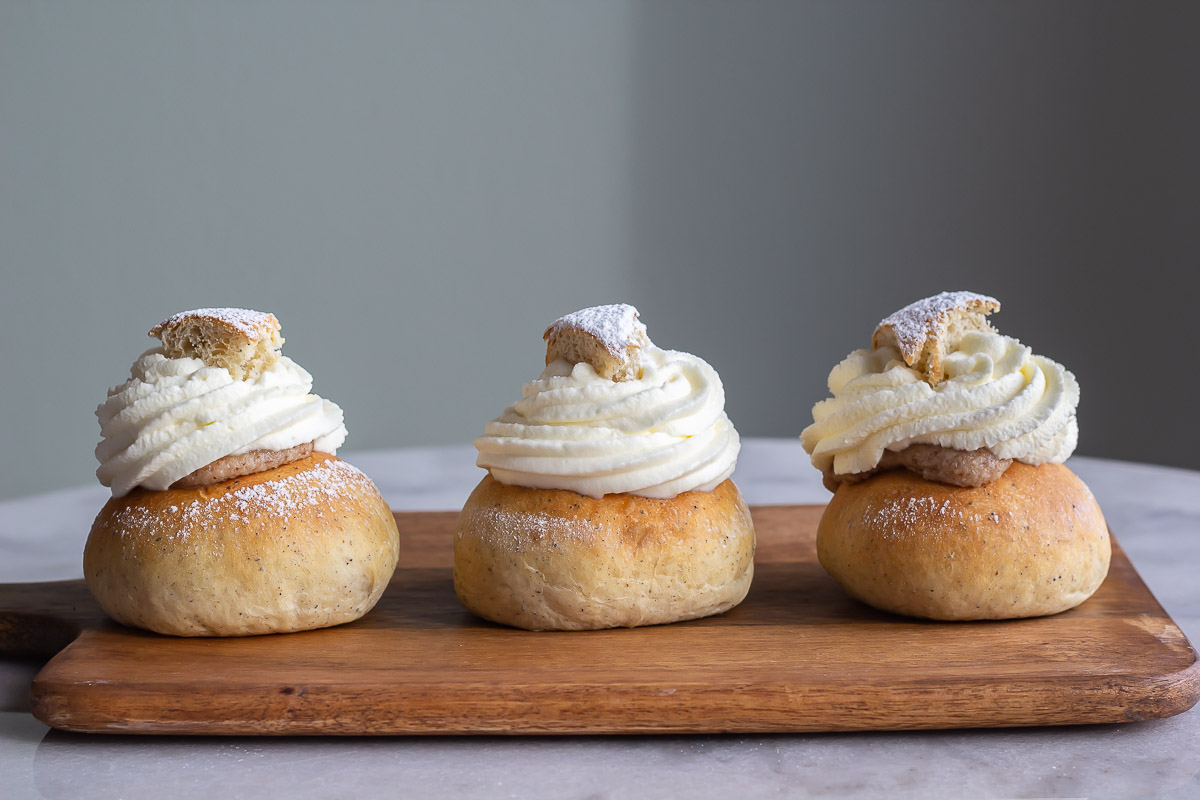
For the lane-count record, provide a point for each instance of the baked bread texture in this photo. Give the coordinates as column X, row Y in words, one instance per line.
column 609, row 338
column 925, row 331
column 550, row 559
column 242, row 341
column 301, row 546
column 1032, row 543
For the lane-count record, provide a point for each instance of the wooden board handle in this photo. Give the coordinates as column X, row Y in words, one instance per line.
column 40, row 619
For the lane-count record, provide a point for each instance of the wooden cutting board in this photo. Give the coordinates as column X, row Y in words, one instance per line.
column 797, row 655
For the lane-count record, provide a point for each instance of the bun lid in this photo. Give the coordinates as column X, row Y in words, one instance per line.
column 610, row 338
column 241, row 340
column 925, row 331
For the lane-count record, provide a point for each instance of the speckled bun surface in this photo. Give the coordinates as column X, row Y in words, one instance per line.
column 305, row 545
column 551, row 559
column 1031, row 543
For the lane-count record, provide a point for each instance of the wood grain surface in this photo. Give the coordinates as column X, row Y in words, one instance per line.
column 797, row 655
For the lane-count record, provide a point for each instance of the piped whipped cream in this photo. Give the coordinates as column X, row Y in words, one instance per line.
column 996, row 394
column 658, row 435
column 175, row 415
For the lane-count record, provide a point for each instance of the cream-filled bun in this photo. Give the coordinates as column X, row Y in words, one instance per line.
column 944, row 444
column 305, row 545
column 1031, row 543
column 230, row 515
column 608, row 501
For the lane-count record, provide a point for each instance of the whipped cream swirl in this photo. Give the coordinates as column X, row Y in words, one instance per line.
column 175, row 415
column 660, row 435
column 996, row 394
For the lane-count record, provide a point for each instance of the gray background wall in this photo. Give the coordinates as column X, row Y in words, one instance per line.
column 416, row 189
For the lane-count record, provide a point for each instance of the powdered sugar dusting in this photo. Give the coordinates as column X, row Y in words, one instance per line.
column 916, row 321
column 615, row 326
column 509, row 530
column 245, row 320
column 280, row 499
column 515, row 527
column 905, row 514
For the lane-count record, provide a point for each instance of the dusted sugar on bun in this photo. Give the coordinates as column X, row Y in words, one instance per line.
column 609, row 338
column 302, row 546
column 1031, row 543
column 243, row 341
column 925, row 331
column 547, row 559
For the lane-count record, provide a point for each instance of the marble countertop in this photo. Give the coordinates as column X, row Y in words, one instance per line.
column 1155, row 512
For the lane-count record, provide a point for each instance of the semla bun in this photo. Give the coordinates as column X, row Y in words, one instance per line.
column 1031, row 543
column 301, row 546
column 551, row 559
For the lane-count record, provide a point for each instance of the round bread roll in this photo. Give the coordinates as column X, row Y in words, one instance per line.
column 551, row 559
column 1031, row 543
column 305, row 545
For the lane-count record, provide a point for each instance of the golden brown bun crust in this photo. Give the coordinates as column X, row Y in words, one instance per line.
column 549, row 559
column 306, row 545
column 1031, row 543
